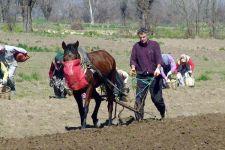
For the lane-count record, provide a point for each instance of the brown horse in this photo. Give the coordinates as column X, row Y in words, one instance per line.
column 105, row 69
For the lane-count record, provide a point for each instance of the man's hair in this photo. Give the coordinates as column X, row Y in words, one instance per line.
column 142, row 30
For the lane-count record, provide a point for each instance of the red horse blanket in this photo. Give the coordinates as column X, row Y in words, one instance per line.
column 74, row 74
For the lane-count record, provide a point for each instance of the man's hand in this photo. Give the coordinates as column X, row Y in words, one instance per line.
column 168, row 74
column 167, row 80
column 51, row 83
column 190, row 72
column 132, row 71
column 157, row 72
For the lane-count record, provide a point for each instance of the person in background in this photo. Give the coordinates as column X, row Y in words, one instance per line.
column 145, row 62
column 168, row 68
column 185, row 68
column 124, row 76
column 7, row 56
column 56, row 76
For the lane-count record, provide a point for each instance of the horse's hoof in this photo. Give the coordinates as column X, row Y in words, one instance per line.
column 110, row 123
column 83, row 126
column 98, row 124
column 115, row 121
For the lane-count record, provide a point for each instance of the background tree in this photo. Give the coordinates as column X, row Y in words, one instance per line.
column 144, row 13
column 46, row 7
column 4, row 9
column 123, row 10
column 26, row 9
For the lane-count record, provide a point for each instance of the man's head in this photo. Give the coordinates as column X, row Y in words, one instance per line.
column 143, row 35
column 2, row 48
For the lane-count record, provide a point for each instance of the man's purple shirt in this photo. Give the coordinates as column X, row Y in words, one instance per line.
column 146, row 57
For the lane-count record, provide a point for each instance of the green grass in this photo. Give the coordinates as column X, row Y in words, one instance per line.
column 29, row 77
column 203, row 77
column 34, row 48
column 17, row 28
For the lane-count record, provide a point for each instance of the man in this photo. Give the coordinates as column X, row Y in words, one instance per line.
column 168, row 68
column 185, row 69
column 56, row 76
column 145, row 62
column 7, row 57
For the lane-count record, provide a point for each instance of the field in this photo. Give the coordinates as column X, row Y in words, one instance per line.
column 194, row 120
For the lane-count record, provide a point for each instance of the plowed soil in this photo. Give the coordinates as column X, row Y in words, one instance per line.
column 195, row 117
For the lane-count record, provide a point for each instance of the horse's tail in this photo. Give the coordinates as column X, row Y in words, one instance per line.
column 119, row 83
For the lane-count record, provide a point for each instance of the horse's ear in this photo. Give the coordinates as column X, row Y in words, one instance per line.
column 64, row 45
column 76, row 44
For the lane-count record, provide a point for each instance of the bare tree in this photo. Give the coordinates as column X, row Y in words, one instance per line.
column 213, row 19
column 92, row 8
column 4, row 9
column 144, row 13
column 185, row 9
column 198, row 4
column 123, row 10
column 46, row 7
column 26, row 7
column 8, row 11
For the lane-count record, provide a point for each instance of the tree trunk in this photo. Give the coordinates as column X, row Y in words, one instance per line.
column 91, row 12
column 26, row 6
column 144, row 12
column 5, row 9
column 214, row 18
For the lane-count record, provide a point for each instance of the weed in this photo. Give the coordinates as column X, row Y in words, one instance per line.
column 222, row 49
column 205, row 58
column 203, row 77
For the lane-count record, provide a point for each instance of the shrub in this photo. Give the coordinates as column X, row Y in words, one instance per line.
column 76, row 25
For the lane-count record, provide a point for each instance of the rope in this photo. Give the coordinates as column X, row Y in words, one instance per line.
column 148, row 82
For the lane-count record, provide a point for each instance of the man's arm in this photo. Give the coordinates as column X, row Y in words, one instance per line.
column 133, row 59
column 14, row 48
column 158, row 58
column 51, row 70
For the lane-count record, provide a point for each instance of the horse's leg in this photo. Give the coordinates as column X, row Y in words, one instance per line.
column 86, row 104
column 110, row 95
column 78, row 98
column 98, row 101
column 111, row 98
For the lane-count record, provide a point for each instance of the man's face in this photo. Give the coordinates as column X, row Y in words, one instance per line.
column 143, row 37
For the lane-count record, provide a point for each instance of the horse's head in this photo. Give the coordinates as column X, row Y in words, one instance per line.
column 70, row 51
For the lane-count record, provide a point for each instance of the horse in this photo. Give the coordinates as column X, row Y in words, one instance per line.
column 104, row 67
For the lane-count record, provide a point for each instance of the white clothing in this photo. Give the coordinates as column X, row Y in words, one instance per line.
column 8, row 55
column 124, row 75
